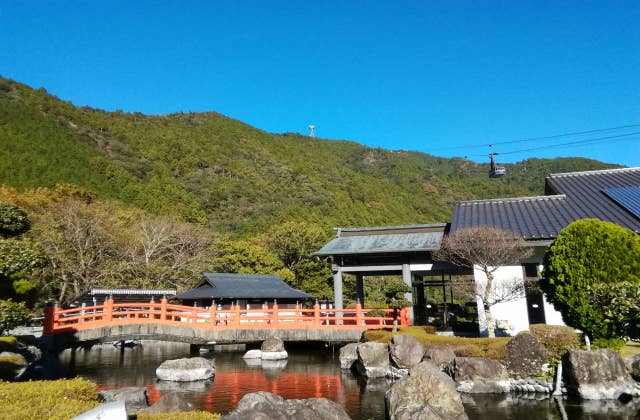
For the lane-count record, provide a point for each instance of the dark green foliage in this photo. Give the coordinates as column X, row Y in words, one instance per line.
column 12, row 314
column 212, row 170
column 13, row 220
column 586, row 258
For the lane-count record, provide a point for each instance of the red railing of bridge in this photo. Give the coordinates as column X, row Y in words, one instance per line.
column 110, row 313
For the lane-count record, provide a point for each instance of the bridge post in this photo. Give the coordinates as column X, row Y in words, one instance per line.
column 275, row 313
column 316, row 314
column 49, row 319
column 107, row 312
column 359, row 320
column 163, row 309
column 235, row 315
column 212, row 314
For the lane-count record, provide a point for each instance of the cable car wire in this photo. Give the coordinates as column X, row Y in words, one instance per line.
column 568, row 144
column 551, row 137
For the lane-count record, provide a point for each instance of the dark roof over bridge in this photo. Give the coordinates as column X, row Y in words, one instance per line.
column 611, row 195
column 242, row 286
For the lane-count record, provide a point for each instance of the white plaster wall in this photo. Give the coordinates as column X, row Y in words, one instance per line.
column 552, row 316
column 513, row 312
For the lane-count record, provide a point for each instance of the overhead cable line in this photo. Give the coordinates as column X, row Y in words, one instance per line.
column 555, row 136
column 568, row 144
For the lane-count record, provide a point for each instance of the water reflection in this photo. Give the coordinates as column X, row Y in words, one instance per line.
column 307, row 373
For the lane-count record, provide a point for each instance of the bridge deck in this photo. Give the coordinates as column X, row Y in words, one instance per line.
column 164, row 321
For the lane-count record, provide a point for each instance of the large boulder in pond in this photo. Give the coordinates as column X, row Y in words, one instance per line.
column 272, row 344
column 426, row 393
column 597, row 375
column 135, row 398
column 267, row 406
column 373, row 359
column 405, row 351
column 633, row 366
column 170, row 403
column 273, row 349
column 526, row 356
column 186, row 369
column 479, row 375
column 348, row 355
column 441, row 356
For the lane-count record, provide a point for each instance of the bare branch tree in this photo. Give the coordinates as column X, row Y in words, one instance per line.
column 486, row 249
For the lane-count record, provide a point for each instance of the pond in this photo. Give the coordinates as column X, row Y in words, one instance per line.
column 310, row 371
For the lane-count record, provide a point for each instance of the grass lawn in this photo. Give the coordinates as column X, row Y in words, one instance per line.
column 493, row 348
column 630, row 349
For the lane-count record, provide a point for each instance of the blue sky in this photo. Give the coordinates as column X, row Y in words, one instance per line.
column 446, row 78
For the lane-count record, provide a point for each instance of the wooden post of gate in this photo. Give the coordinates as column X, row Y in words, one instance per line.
column 316, row 314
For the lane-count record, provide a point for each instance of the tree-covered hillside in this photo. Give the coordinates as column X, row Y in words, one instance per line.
column 236, row 179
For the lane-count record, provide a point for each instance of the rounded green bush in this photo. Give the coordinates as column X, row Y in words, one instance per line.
column 587, row 256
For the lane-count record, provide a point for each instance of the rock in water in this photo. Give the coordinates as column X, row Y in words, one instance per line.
column 427, row 394
column 273, row 349
column 135, row 398
column 440, row 356
column 373, row 359
column 253, row 354
column 405, row 351
column 526, row 356
column 170, row 403
column 266, row 406
column 478, row 375
column 272, row 344
column 348, row 355
column 597, row 375
column 187, row 369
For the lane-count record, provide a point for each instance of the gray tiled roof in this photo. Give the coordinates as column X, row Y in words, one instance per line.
column 572, row 196
column 388, row 239
column 242, row 286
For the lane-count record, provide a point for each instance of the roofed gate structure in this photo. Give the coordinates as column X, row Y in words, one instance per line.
column 611, row 195
column 389, row 250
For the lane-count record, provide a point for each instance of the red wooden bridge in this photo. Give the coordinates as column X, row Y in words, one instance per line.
column 164, row 321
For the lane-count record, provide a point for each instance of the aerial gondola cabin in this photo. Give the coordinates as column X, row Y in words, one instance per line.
column 496, row 171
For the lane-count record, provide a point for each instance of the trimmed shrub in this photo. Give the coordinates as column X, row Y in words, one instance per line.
column 54, row 400
column 13, row 314
column 377, row 312
column 556, row 338
column 587, row 256
column 609, row 343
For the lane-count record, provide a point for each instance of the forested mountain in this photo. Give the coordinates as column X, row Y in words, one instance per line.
column 235, row 179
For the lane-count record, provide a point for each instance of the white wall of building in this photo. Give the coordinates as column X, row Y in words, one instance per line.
column 513, row 314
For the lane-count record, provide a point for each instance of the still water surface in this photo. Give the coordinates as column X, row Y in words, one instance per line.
column 309, row 372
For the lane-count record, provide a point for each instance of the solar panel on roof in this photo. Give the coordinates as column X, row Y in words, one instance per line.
column 626, row 197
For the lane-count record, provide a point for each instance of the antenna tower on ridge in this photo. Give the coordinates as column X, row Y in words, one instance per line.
column 311, row 133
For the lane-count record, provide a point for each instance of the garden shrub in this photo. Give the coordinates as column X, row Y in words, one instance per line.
column 556, row 338
column 53, row 400
column 13, row 314
column 584, row 261
column 608, row 343
column 377, row 312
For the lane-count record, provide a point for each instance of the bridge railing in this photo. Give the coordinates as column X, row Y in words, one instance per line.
column 110, row 313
